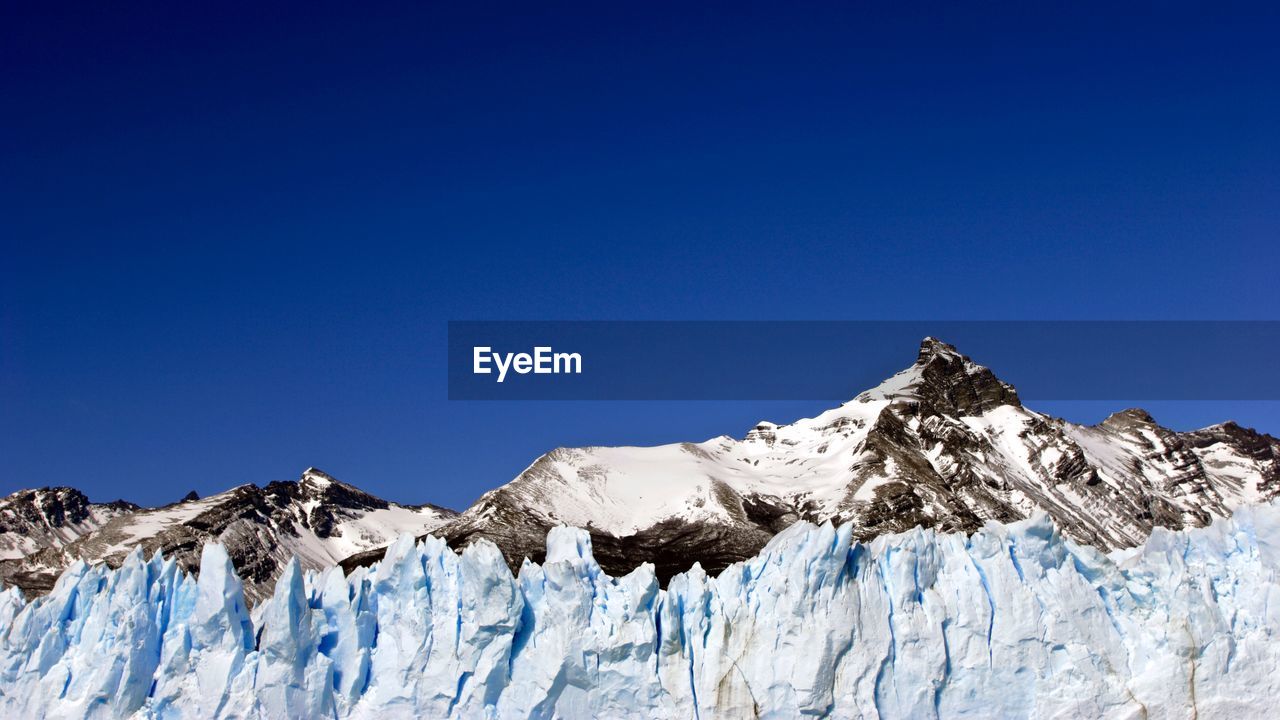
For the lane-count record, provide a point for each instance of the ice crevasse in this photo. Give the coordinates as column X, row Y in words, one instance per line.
column 1013, row 621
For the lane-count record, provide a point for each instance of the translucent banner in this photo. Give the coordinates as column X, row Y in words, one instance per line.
column 835, row 360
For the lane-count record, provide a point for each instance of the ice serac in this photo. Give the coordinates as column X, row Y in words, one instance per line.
column 1014, row 620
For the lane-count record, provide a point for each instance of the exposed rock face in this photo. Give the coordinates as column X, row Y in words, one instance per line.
column 50, row 517
column 317, row 519
column 944, row 444
column 950, row 382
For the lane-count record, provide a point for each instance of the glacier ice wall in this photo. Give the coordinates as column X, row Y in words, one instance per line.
column 1014, row 621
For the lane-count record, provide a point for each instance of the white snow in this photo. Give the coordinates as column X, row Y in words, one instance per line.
column 1233, row 471
column 371, row 529
column 145, row 524
column 622, row 490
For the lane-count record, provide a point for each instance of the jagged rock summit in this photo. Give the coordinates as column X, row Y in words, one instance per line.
column 943, row 444
column 949, row 382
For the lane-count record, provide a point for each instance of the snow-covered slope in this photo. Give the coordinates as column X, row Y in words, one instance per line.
column 31, row 520
column 1013, row 621
column 943, row 444
column 317, row 519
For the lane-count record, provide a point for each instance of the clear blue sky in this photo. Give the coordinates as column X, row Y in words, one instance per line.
column 231, row 237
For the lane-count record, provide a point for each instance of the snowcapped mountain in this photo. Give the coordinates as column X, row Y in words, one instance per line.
column 973, row 558
column 1013, row 621
column 50, row 517
column 317, row 519
column 944, row 444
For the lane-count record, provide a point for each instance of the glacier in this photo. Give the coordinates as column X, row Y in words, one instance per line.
column 1011, row 621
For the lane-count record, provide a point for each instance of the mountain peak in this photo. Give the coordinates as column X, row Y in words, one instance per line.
column 764, row 432
column 1129, row 417
column 932, row 347
column 948, row 380
column 318, row 485
column 317, row 477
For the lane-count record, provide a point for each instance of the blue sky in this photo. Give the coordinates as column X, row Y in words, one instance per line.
column 232, row 236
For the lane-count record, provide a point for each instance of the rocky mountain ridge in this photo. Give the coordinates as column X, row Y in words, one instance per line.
column 31, row 520
column 944, row 444
column 317, row 519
